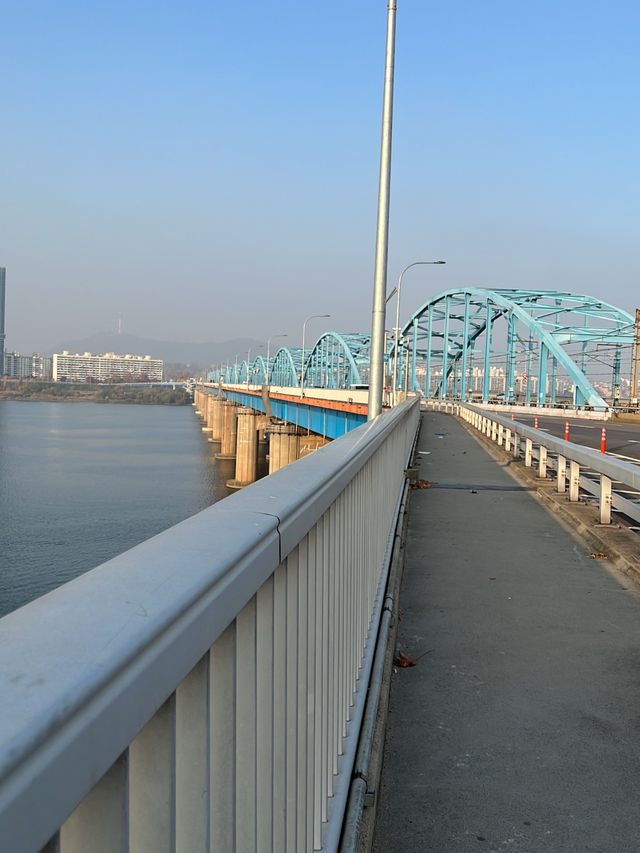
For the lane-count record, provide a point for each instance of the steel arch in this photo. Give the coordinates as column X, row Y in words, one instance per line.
column 338, row 361
column 285, row 367
column 539, row 326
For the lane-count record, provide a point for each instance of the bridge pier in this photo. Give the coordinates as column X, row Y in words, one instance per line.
column 215, row 418
column 284, row 445
column 206, row 412
column 229, row 436
column 246, row 449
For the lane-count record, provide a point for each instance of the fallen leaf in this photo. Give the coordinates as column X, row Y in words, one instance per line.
column 404, row 660
column 598, row 555
column 421, row 484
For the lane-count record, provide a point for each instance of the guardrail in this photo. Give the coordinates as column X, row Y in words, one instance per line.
column 204, row 690
column 571, row 463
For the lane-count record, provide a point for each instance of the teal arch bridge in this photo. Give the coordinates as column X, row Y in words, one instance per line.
column 534, row 347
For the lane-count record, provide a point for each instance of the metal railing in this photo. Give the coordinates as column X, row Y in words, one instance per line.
column 203, row 691
column 613, row 483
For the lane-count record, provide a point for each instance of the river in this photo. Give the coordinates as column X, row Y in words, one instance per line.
column 82, row 482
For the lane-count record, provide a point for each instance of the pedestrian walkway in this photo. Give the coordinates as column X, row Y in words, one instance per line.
column 519, row 727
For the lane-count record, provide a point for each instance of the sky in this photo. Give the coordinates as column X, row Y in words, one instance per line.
column 209, row 170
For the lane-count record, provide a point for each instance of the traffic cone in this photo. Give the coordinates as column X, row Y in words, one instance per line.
column 603, row 440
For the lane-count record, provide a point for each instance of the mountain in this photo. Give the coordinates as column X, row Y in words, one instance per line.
column 172, row 352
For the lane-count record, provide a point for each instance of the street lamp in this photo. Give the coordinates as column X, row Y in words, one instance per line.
column 272, row 338
column 304, row 329
column 397, row 290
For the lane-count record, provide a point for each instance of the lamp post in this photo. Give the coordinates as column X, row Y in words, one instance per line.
column 397, row 290
column 272, row 338
column 304, row 330
column 376, row 368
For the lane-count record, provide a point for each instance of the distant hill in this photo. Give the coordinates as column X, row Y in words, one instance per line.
column 172, row 352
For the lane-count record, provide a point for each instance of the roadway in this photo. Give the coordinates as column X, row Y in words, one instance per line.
column 623, row 439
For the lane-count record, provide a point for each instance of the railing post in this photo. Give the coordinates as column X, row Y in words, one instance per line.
column 494, row 430
column 500, row 435
column 574, row 481
column 562, row 475
column 507, row 441
column 528, row 452
column 516, row 446
column 542, row 463
column 605, row 500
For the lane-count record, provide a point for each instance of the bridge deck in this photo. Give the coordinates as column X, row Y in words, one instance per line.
column 518, row 727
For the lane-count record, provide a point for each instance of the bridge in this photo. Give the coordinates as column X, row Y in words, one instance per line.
column 225, row 685
column 534, row 347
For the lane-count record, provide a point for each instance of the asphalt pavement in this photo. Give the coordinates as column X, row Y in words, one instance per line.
column 518, row 728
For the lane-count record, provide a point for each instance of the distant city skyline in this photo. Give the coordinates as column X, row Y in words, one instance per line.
column 210, row 172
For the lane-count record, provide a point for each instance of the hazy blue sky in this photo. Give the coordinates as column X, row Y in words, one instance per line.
column 209, row 169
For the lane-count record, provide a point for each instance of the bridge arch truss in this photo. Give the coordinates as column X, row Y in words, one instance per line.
column 520, row 345
column 338, row 361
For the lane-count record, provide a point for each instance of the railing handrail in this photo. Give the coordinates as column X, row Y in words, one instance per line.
column 91, row 662
column 615, row 469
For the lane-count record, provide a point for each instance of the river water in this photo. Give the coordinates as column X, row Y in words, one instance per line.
column 82, row 482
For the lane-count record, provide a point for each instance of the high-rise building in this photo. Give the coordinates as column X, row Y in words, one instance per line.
column 2, row 283
column 106, row 368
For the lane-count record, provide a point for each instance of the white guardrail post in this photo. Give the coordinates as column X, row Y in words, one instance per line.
column 203, row 691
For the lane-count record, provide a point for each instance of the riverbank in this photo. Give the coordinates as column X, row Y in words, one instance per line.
column 56, row 392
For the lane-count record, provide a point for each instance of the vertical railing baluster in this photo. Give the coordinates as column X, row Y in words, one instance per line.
column 292, row 702
column 333, row 674
column 192, row 761
column 325, row 687
column 317, row 603
column 265, row 716
column 152, row 783
column 302, row 700
column 100, row 823
column 222, row 740
column 246, row 712
column 280, row 731
column 312, row 720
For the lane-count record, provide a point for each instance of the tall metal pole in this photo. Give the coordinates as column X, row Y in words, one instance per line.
column 635, row 361
column 376, row 371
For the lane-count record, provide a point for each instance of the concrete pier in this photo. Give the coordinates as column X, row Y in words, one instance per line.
column 246, row 449
column 215, row 419
column 206, row 412
column 284, row 445
column 229, row 431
